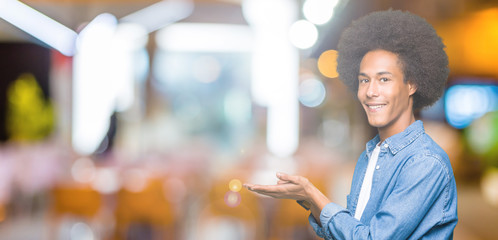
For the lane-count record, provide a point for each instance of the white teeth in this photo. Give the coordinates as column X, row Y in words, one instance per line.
column 375, row 106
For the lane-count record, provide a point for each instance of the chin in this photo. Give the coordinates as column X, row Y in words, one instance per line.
column 376, row 123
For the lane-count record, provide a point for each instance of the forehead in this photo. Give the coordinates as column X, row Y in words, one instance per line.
column 380, row 60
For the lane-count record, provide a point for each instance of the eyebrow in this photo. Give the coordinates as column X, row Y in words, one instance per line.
column 378, row 74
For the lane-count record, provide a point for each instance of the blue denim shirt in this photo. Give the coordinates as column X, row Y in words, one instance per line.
column 413, row 193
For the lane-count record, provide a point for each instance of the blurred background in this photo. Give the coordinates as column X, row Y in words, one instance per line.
column 140, row 119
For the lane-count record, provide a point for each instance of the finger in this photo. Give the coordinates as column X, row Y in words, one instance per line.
column 256, row 187
column 282, row 182
column 267, row 189
column 282, row 176
column 248, row 186
column 287, row 177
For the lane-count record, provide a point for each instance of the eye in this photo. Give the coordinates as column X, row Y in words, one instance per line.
column 384, row 79
column 363, row 80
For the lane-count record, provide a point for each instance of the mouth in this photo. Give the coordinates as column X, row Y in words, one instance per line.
column 375, row 107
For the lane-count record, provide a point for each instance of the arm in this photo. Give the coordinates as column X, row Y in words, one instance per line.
column 419, row 184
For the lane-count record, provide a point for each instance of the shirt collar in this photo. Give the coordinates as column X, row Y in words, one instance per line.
column 398, row 141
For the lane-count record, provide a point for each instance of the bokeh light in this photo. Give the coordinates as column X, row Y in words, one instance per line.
column 134, row 180
column 81, row 231
column 106, row 181
column 465, row 103
column 95, row 87
column 204, row 37
column 319, row 11
column 39, row 26
column 489, row 186
column 311, row 92
column 327, row 64
column 83, row 170
column 303, row 34
column 268, row 14
column 232, row 199
column 235, row 185
column 482, row 136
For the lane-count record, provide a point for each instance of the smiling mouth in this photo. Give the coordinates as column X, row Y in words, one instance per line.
column 375, row 107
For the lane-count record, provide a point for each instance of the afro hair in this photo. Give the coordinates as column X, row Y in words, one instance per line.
column 410, row 37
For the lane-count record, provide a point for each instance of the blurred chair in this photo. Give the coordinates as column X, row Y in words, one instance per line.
column 77, row 200
column 73, row 203
column 230, row 215
column 3, row 212
column 144, row 214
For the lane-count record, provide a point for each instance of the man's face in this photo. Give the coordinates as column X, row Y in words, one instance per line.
column 382, row 92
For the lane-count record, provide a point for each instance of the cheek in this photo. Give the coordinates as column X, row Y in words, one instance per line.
column 397, row 92
column 360, row 93
column 405, row 93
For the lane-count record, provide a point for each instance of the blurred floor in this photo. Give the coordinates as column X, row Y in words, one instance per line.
column 477, row 220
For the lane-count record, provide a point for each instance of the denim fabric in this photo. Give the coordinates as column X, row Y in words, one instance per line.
column 413, row 193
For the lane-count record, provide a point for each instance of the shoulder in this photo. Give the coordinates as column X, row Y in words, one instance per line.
column 425, row 146
column 426, row 155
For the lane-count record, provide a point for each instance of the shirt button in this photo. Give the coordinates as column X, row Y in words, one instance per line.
column 386, row 145
column 377, row 167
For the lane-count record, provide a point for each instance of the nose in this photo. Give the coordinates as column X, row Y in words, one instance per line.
column 372, row 89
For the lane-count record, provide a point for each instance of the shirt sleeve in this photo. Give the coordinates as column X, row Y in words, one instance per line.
column 419, row 183
column 330, row 210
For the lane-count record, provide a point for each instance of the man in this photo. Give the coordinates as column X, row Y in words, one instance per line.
column 403, row 185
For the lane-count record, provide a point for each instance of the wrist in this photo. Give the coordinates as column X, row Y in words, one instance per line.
column 309, row 191
column 315, row 197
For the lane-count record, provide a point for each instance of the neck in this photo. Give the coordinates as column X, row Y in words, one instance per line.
column 395, row 128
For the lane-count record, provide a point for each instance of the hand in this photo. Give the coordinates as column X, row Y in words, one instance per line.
column 294, row 187
column 287, row 187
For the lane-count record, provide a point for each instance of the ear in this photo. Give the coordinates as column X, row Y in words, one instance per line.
column 412, row 88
